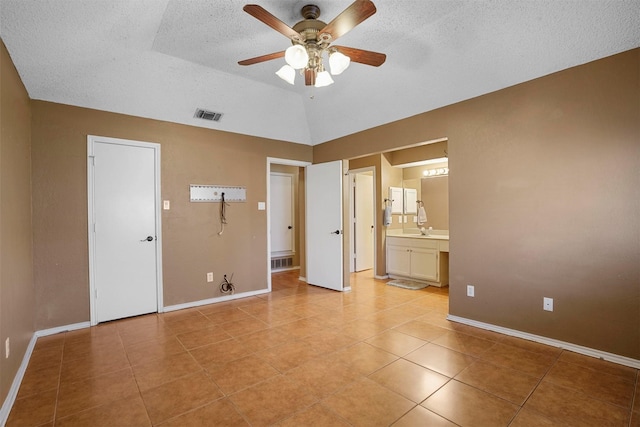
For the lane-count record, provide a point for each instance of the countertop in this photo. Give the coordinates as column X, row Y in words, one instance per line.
column 434, row 235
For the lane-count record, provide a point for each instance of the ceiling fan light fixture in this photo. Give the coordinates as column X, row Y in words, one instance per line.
column 296, row 56
column 338, row 62
column 287, row 73
column 323, row 79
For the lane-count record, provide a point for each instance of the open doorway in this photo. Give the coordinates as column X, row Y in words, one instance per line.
column 285, row 216
column 362, row 218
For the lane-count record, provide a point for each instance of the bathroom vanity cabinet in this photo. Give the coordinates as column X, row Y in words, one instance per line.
column 418, row 258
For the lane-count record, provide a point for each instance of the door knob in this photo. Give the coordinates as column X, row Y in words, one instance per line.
column 289, row 227
column 148, row 239
column 335, row 232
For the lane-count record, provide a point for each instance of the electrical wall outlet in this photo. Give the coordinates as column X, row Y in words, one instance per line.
column 7, row 348
column 209, row 277
column 547, row 304
column 471, row 291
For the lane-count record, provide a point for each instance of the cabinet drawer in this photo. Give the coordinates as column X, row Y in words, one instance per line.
column 410, row 242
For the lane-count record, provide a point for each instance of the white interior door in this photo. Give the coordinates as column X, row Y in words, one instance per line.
column 123, row 228
column 364, row 222
column 324, row 225
column 281, row 214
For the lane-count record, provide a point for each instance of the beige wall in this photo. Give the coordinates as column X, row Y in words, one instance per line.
column 191, row 245
column 16, row 277
column 544, row 195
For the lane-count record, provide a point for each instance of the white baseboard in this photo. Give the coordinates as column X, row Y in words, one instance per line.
column 214, row 300
column 67, row 328
column 17, row 380
column 386, row 276
column 621, row 360
column 302, row 279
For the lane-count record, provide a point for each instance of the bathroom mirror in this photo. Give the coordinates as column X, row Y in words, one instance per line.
column 432, row 190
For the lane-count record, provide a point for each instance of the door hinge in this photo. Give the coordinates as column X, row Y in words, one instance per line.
column 93, row 160
column 96, row 292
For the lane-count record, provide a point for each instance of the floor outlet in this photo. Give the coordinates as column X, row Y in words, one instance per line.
column 209, row 277
column 7, row 347
column 547, row 304
column 471, row 291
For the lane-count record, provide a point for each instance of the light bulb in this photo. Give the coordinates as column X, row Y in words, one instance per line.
column 287, row 73
column 323, row 79
column 296, row 56
column 338, row 62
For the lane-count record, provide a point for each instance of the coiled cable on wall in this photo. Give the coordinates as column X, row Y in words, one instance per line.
column 223, row 214
column 227, row 286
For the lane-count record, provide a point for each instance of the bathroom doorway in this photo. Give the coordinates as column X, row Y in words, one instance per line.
column 362, row 217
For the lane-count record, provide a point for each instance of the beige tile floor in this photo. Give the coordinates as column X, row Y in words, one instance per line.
column 306, row 356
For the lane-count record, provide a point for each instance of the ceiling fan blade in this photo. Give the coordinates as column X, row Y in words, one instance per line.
column 348, row 19
column 263, row 58
column 309, row 77
column 363, row 56
column 263, row 15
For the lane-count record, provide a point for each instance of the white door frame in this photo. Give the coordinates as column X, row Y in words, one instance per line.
column 352, row 174
column 91, row 139
column 277, row 161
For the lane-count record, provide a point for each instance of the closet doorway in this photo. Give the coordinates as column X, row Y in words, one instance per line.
column 285, row 216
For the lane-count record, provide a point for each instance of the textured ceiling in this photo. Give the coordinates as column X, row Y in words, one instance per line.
column 162, row 59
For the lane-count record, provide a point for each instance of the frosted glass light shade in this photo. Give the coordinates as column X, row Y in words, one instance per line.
column 296, row 56
column 287, row 73
column 338, row 62
column 323, row 79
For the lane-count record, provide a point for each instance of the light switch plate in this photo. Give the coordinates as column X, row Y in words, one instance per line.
column 262, row 206
column 166, row 205
column 547, row 304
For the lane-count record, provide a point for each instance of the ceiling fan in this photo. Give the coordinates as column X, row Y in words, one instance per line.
column 311, row 41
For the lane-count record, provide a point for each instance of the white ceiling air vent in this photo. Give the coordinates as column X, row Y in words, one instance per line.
column 207, row 115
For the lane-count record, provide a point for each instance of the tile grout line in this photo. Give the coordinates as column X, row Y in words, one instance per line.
column 536, row 387
column 55, row 406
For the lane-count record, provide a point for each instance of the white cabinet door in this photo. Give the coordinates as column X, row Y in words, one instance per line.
column 424, row 264
column 398, row 260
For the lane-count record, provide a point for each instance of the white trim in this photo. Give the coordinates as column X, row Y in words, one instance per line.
column 59, row 329
column 91, row 140
column 277, row 161
column 215, row 300
column 386, row 276
column 17, row 380
column 302, row 279
column 620, row 360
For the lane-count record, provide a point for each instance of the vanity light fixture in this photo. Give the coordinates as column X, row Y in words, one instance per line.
column 436, row 172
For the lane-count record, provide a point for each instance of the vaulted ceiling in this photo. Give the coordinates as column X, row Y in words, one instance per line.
column 162, row 59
